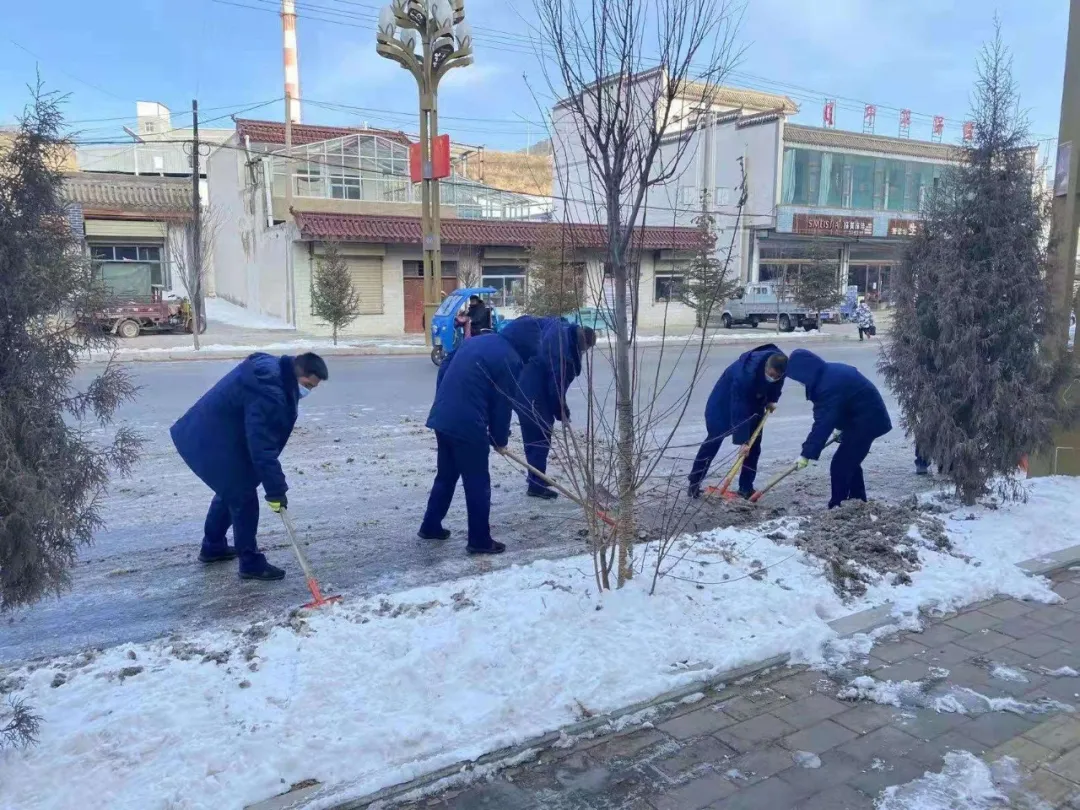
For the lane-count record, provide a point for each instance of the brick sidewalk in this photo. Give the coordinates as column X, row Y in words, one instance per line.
column 734, row 749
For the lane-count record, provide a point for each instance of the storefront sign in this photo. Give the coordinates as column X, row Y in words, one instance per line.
column 905, row 227
column 827, row 225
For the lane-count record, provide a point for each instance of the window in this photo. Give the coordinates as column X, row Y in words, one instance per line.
column 666, row 288
column 344, row 187
column 415, row 269
column 509, row 284
column 122, row 268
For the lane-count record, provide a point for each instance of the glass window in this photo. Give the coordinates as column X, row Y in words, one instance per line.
column 414, row 268
column 508, row 282
column 126, row 253
column 896, row 185
column 150, row 254
column 130, row 270
column 666, row 289
column 101, row 252
column 806, row 173
column 862, row 182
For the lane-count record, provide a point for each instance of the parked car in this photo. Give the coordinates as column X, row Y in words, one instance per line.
column 758, row 302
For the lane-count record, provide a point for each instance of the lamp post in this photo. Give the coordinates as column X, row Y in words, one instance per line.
column 427, row 38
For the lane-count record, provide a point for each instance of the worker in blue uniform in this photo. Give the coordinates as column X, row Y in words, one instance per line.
column 474, row 401
column 232, row 437
column 846, row 402
column 746, row 390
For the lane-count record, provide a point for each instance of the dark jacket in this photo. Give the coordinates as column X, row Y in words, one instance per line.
column 547, row 377
column 843, row 400
column 232, row 437
column 480, row 316
column 739, row 397
column 473, row 399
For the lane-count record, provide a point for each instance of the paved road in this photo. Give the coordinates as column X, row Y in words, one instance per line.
column 360, row 463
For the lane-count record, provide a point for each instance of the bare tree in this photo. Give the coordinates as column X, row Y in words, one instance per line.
column 625, row 72
column 468, row 273
column 54, row 468
column 192, row 267
column 333, row 297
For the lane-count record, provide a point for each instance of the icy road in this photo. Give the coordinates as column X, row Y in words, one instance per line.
column 359, row 466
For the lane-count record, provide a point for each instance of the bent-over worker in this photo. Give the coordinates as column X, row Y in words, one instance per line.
column 745, row 391
column 847, row 402
column 232, row 437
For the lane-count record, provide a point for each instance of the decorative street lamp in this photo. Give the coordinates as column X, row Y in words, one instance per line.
column 427, row 38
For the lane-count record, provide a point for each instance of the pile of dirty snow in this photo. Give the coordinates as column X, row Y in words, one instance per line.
column 863, row 544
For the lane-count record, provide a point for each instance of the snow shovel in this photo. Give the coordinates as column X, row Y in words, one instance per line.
column 776, row 479
column 313, row 584
column 722, row 490
column 600, row 513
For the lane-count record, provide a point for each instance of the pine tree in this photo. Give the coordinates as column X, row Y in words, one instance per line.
column 818, row 283
column 964, row 353
column 54, row 469
column 555, row 285
column 708, row 282
column 334, row 300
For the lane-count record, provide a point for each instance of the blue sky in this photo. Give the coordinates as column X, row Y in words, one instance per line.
column 918, row 54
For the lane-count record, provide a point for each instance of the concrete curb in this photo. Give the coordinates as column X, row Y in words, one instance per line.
column 180, row 354
column 864, row 621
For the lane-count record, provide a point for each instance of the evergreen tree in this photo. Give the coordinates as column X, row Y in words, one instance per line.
column 555, row 285
column 334, row 300
column 707, row 283
column 964, row 353
column 54, row 469
column 819, row 281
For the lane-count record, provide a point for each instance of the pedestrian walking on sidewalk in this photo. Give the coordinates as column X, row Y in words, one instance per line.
column 232, row 437
column 471, row 413
column 745, row 391
column 846, row 402
column 543, row 384
column 864, row 318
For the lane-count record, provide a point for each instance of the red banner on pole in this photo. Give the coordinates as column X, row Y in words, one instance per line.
column 969, row 132
column 828, row 115
column 440, row 160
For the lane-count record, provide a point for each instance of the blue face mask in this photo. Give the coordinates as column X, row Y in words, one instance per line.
column 304, row 391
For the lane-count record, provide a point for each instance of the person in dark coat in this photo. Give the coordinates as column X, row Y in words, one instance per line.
column 542, row 387
column 471, row 413
column 232, row 437
column 745, row 391
column 479, row 315
column 846, row 402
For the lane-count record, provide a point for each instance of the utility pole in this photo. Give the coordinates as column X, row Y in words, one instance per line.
column 197, row 316
column 1064, row 456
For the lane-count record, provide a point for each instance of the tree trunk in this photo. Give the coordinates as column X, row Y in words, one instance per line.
column 626, row 530
column 335, row 335
column 196, row 319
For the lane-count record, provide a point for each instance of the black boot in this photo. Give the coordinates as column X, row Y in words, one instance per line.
column 267, row 573
column 694, row 491
column 544, row 493
column 222, row 554
column 495, row 548
column 746, row 494
column 441, row 534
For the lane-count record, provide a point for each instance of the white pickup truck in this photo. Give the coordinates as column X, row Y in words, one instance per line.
column 757, row 303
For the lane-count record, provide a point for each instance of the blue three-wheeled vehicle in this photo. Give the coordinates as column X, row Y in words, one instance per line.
column 447, row 327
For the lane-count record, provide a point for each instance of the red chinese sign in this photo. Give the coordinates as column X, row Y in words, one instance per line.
column 969, row 132
column 905, row 227
column 869, row 114
column 939, row 125
column 440, row 160
column 905, row 118
column 829, row 225
column 828, row 115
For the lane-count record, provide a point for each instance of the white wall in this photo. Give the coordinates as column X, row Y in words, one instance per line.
column 251, row 261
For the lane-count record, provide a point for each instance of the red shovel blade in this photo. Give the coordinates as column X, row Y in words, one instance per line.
column 319, row 599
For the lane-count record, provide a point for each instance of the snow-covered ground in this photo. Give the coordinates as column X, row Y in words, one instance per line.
column 383, row 688
column 218, row 310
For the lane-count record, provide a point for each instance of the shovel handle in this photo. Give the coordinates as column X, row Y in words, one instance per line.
column 604, row 516
column 776, row 479
column 738, row 465
column 290, row 530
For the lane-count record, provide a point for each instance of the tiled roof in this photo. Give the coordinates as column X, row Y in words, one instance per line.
column 508, row 233
column 128, row 193
column 838, row 139
column 739, row 98
column 274, row 132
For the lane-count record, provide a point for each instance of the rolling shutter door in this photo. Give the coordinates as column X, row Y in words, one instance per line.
column 367, row 280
